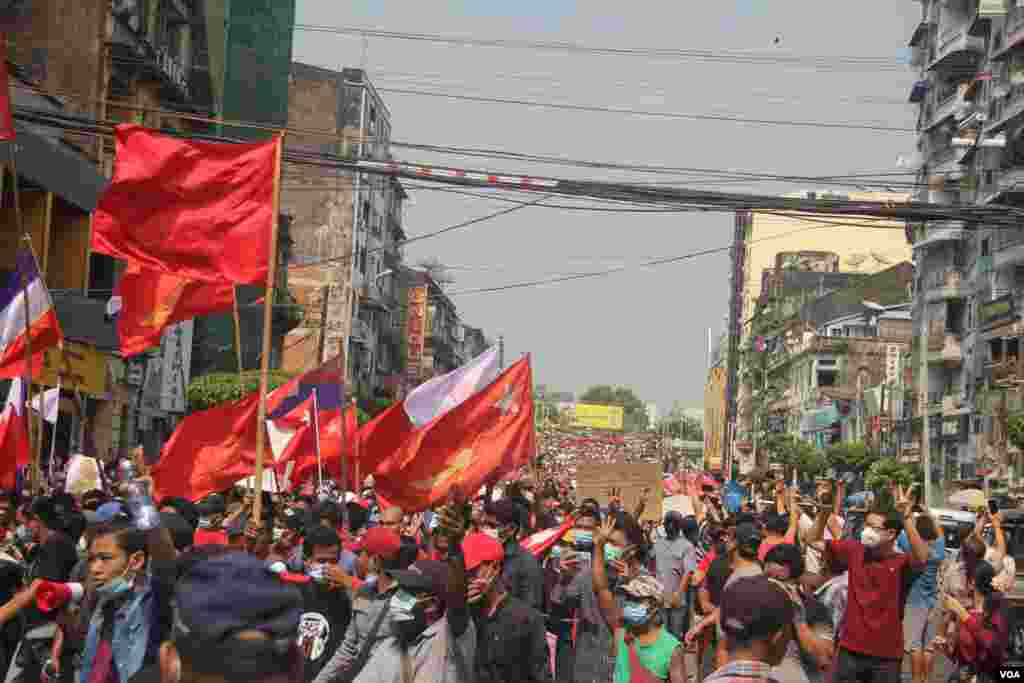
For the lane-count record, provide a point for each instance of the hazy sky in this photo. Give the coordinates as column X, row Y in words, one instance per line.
column 643, row 328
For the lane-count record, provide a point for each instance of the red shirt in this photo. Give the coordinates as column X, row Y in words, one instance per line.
column 874, row 610
column 705, row 564
column 207, row 537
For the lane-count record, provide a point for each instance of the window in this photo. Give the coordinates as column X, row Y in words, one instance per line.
column 985, row 247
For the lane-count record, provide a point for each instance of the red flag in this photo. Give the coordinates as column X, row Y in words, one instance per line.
column 197, row 210
column 209, row 451
column 539, row 542
column 151, row 301
column 6, row 120
column 14, row 446
column 331, row 447
column 465, row 446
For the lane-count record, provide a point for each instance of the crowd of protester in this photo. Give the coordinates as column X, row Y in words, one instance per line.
column 114, row 587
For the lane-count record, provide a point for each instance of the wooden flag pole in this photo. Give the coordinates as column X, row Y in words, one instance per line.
column 355, row 450
column 344, row 460
column 268, row 318
column 238, row 341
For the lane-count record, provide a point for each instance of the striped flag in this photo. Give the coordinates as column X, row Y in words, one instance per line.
column 43, row 329
column 539, row 542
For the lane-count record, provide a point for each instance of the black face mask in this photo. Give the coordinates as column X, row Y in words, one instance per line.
column 410, row 630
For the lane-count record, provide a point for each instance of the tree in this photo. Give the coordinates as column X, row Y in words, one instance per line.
column 1015, row 431
column 682, row 427
column 215, row 388
column 887, row 471
column 850, row 456
column 634, row 410
column 793, row 452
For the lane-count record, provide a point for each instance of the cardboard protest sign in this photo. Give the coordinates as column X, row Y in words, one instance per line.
column 678, row 503
column 596, row 481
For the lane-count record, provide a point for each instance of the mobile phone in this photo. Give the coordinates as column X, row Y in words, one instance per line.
column 993, row 506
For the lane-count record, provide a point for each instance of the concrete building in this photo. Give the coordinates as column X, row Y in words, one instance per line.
column 969, row 285
column 348, row 230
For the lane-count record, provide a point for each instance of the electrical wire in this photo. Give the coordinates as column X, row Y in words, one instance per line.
column 825, row 62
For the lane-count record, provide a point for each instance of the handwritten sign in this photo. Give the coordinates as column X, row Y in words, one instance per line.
column 597, row 481
column 77, row 368
column 678, row 503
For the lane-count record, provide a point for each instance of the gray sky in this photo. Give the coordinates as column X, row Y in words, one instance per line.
column 646, row 329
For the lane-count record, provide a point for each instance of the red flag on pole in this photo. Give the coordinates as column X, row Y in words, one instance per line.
column 485, row 435
column 197, row 210
column 209, row 451
column 151, row 301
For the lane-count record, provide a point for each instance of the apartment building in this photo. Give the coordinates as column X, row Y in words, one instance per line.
column 969, row 284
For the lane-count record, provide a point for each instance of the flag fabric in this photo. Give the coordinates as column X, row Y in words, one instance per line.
column 332, row 448
column 209, row 451
column 198, row 210
column 326, row 380
column 6, row 119
column 485, row 436
column 150, row 301
column 14, row 439
column 382, row 437
column 441, row 394
column 538, row 543
column 47, row 404
column 284, row 430
column 43, row 329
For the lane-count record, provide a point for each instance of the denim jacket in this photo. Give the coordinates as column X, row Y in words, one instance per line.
column 140, row 624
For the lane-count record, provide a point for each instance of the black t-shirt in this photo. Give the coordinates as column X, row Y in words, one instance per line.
column 52, row 561
column 325, row 618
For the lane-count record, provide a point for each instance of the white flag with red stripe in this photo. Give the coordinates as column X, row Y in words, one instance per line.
column 539, row 542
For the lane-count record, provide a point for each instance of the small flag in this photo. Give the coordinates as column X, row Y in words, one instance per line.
column 47, row 404
column 43, row 329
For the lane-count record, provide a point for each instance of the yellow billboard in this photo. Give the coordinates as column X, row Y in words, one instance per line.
column 714, row 418
column 593, row 416
column 77, row 368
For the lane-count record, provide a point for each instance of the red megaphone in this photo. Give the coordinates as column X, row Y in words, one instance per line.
column 51, row 595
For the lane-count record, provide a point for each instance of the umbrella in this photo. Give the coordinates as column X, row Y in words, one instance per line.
column 969, row 498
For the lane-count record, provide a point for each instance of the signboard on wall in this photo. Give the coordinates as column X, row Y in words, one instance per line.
column 76, row 367
column 176, row 354
column 592, row 416
column 415, row 333
column 629, row 480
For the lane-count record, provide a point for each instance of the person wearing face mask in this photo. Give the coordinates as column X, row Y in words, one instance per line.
column 643, row 647
column 436, row 639
column 982, row 636
column 212, row 511
column 757, row 618
column 369, row 634
column 879, row 578
column 326, row 605
column 522, row 573
column 511, row 642
column 132, row 572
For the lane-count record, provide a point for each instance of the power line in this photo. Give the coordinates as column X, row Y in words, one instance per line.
column 650, row 114
column 826, row 62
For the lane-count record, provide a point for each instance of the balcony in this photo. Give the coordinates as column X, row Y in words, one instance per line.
column 945, row 285
column 1008, row 248
column 943, row 106
column 1012, row 35
column 957, row 49
column 362, row 333
column 1006, row 108
column 1007, row 370
column 939, row 232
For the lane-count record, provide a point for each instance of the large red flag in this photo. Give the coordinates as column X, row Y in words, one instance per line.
column 151, row 301
column 209, row 451
column 332, row 448
column 6, row 120
column 198, row 210
column 464, row 447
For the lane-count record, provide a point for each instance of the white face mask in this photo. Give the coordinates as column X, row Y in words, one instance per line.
column 871, row 537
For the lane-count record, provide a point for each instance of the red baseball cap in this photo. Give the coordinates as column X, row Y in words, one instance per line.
column 478, row 548
column 379, row 542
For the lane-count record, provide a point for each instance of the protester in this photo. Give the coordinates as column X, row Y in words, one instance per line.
column 757, row 616
column 327, row 608
column 878, row 581
column 212, row 511
column 982, row 635
column 522, row 575
column 918, row 621
column 674, row 558
column 511, row 646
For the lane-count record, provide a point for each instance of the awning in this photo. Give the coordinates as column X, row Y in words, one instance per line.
column 56, row 167
column 918, row 91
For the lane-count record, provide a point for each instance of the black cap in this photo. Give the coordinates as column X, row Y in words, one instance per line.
column 47, row 512
column 425, row 575
column 748, row 536
column 212, row 505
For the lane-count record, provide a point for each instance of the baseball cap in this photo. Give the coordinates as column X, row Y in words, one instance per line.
column 379, row 542
column 479, row 548
column 645, row 588
column 755, row 607
column 213, row 504
column 425, row 575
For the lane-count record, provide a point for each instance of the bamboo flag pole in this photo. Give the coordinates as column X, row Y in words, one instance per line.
column 316, row 443
column 344, row 460
column 355, row 449
column 238, row 340
column 268, row 310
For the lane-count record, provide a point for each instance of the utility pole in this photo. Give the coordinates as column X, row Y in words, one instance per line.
column 501, row 352
column 926, row 420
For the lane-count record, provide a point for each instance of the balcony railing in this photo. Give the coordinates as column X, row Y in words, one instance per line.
column 1007, row 369
column 945, row 284
column 954, row 44
column 1008, row 248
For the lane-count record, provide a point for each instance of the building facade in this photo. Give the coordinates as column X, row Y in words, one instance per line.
column 970, row 92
